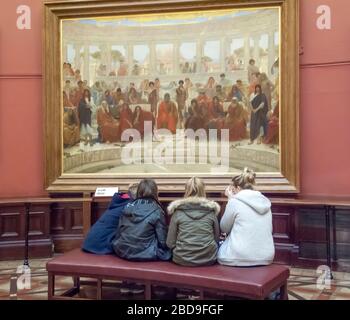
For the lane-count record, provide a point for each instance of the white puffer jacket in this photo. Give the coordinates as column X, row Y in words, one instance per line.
column 248, row 222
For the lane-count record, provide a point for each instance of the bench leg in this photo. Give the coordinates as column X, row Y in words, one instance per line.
column 51, row 285
column 99, row 289
column 148, row 291
column 284, row 292
column 76, row 281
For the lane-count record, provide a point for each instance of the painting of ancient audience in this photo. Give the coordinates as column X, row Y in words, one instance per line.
column 99, row 114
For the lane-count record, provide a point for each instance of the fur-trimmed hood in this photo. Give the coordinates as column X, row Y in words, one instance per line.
column 194, row 204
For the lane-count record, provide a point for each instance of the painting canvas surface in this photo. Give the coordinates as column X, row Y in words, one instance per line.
column 174, row 94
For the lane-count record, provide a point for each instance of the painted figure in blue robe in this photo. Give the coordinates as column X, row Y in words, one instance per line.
column 258, row 119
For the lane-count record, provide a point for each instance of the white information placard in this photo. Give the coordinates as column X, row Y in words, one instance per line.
column 106, row 192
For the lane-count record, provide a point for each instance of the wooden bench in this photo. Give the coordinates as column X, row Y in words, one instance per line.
column 249, row 283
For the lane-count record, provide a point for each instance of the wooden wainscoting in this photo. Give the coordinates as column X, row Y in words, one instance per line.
column 66, row 226
column 285, row 229
column 58, row 224
column 312, row 238
column 12, row 231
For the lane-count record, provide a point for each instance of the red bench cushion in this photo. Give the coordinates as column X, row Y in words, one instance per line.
column 254, row 281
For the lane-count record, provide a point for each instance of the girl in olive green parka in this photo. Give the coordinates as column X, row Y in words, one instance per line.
column 194, row 231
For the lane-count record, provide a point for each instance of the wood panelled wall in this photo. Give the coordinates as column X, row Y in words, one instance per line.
column 12, row 231
column 299, row 233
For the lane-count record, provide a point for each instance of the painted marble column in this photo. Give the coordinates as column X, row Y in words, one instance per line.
column 77, row 60
column 130, row 57
column 247, row 56
column 103, row 50
column 271, row 53
column 257, row 50
column 109, row 58
column 223, row 54
column 176, row 57
column 152, row 59
column 199, row 53
column 86, row 71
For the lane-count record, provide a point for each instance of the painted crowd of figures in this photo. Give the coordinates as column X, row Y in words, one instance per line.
column 102, row 112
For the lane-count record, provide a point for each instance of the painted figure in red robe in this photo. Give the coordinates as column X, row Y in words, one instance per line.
column 216, row 116
column 205, row 105
column 139, row 118
column 109, row 127
column 125, row 117
column 167, row 114
column 195, row 119
column 78, row 94
column 236, row 121
column 133, row 97
column 272, row 136
column 153, row 97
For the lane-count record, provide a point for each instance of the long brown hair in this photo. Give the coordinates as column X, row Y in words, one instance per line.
column 147, row 188
column 89, row 94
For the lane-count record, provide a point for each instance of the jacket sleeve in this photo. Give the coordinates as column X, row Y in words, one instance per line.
column 271, row 221
column 172, row 232
column 120, row 222
column 216, row 229
column 161, row 230
column 229, row 216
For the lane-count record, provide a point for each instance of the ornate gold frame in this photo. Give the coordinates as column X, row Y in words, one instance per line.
column 285, row 182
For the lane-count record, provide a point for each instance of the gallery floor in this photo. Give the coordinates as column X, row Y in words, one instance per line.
column 302, row 285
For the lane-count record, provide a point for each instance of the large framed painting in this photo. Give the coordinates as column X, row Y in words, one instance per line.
column 171, row 89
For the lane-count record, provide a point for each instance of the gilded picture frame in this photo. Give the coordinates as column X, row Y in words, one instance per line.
column 56, row 12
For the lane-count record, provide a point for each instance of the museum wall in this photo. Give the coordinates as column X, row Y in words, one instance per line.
column 324, row 107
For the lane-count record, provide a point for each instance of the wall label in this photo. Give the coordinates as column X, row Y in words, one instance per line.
column 106, row 192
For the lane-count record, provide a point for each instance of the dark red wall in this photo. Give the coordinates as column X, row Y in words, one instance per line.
column 324, row 107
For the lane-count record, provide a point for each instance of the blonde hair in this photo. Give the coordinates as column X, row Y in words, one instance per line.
column 132, row 190
column 195, row 188
column 246, row 180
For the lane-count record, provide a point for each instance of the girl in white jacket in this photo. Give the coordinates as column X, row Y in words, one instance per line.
column 248, row 222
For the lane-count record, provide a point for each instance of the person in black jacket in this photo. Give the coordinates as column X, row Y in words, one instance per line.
column 101, row 235
column 85, row 113
column 142, row 229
